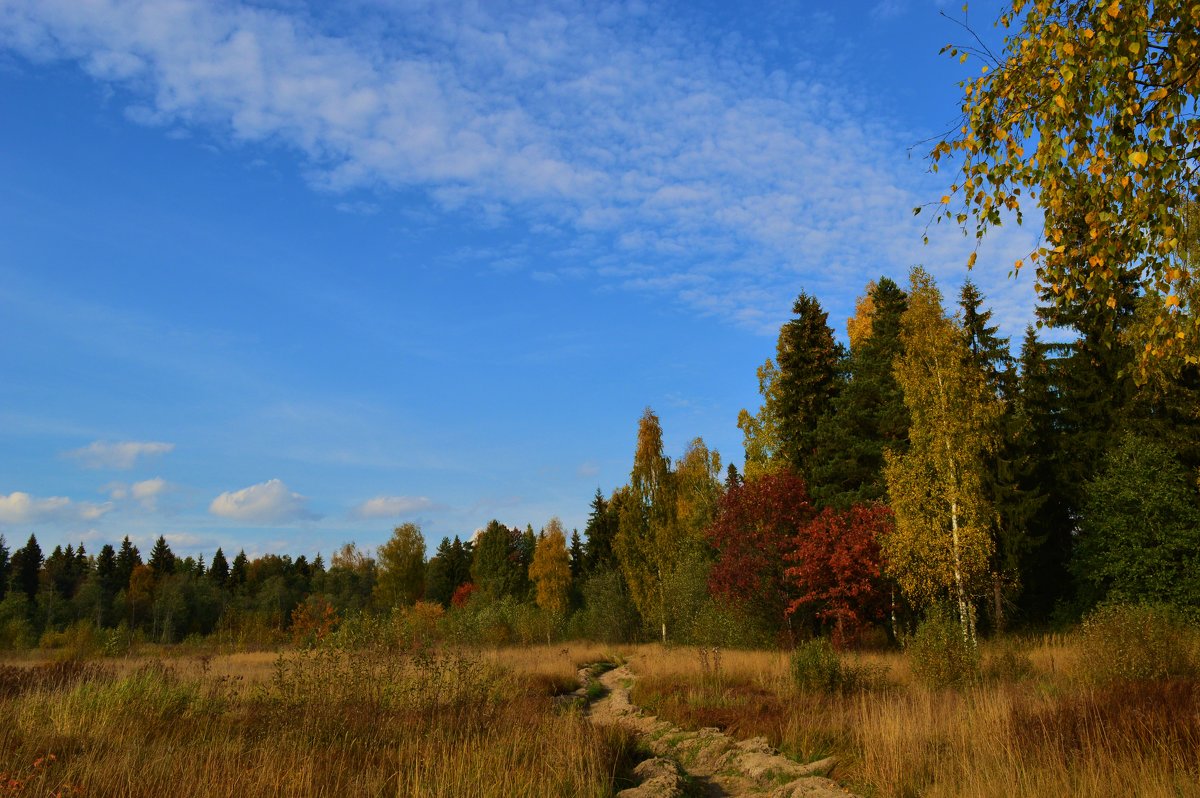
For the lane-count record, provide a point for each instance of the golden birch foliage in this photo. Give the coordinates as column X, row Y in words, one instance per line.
column 760, row 431
column 697, row 490
column 647, row 541
column 1089, row 113
column 550, row 570
column 940, row 545
column 858, row 326
column 401, row 563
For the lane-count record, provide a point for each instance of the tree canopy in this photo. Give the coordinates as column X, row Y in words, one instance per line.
column 1090, row 111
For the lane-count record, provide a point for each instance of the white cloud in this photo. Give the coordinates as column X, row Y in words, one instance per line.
column 119, row 454
column 394, row 506
column 146, row 492
column 147, row 489
column 19, row 507
column 267, row 502
column 89, row 511
column 588, row 469
column 686, row 166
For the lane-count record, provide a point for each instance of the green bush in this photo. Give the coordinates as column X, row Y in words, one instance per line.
column 608, row 613
column 1139, row 537
column 78, row 641
column 15, row 629
column 718, row 624
column 1138, row 642
column 939, row 655
column 817, row 667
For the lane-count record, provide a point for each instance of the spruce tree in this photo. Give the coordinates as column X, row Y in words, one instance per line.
column 218, row 571
column 526, row 544
column 732, row 478
column 60, row 571
column 868, row 415
column 26, row 565
column 128, row 558
column 439, row 584
column 1038, row 444
column 988, row 354
column 462, row 555
column 106, row 577
column 600, row 531
column 1094, row 376
column 162, row 559
column 808, row 358
column 237, row 571
column 576, row 552
column 4, row 568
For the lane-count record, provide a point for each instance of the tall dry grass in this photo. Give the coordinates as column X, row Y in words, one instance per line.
column 1035, row 723
column 325, row 722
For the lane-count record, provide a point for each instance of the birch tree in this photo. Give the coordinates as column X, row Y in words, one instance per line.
column 647, row 536
column 401, row 578
column 550, row 570
column 940, row 545
column 1088, row 112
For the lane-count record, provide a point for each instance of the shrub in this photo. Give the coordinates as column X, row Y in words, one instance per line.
column 1139, row 538
column 716, row 624
column 608, row 613
column 1138, row 642
column 312, row 620
column 816, row 666
column 15, row 629
column 77, row 641
column 939, row 655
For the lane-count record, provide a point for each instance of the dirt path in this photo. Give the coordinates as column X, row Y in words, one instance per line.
column 721, row 765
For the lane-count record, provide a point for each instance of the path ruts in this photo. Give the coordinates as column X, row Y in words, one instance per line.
column 721, row 765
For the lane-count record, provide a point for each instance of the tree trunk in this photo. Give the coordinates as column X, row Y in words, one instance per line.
column 998, row 602
column 958, row 580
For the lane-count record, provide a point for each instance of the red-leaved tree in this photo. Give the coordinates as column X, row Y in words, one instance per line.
column 837, row 573
column 755, row 527
column 462, row 594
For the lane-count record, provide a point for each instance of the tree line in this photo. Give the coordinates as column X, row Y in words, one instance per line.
column 924, row 464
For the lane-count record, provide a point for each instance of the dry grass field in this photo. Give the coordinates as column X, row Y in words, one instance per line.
column 448, row 722
column 304, row 724
column 1032, row 726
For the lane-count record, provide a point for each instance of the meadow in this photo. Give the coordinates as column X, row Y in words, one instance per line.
column 1095, row 712
column 1037, row 721
column 373, row 721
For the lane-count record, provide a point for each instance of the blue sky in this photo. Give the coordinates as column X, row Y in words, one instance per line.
column 279, row 277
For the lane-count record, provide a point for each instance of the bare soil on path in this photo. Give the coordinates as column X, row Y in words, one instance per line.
column 719, row 764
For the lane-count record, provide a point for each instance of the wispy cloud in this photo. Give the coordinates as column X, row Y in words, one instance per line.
column 22, row 508
column 665, row 162
column 394, row 506
column 145, row 493
column 269, row 502
column 119, row 455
